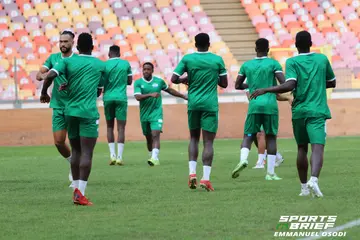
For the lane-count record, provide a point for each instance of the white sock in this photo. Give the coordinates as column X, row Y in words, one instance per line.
column 150, row 153
column 314, row 179
column 82, row 186
column 192, row 167
column 120, row 150
column 76, row 183
column 261, row 158
column 155, row 154
column 265, row 152
column 279, row 156
column 206, row 173
column 69, row 159
column 112, row 149
column 271, row 164
column 304, row 186
column 244, row 153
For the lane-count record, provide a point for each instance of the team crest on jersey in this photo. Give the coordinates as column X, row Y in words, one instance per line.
column 155, row 85
column 142, row 86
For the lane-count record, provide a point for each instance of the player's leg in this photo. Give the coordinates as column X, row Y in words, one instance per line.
column 194, row 124
column 121, row 115
column 260, row 138
column 271, row 126
column 209, row 126
column 145, row 126
column 251, row 128
column 156, row 129
column 109, row 109
column 88, row 138
column 317, row 137
column 59, row 126
column 302, row 140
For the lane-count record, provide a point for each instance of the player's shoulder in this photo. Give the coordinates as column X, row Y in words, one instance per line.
column 158, row 79
column 320, row 56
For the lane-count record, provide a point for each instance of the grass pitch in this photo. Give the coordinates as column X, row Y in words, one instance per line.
column 139, row 202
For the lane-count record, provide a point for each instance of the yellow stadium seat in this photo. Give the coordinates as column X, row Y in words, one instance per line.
column 65, row 19
column 94, row 18
column 5, row 20
column 145, row 30
column 87, row 5
column 141, row 23
column 57, row 6
column 16, row 26
column 26, row 93
column 64, row 25
column 29, row 13
column 105, row 11
column 266, row 6
column 110, row 17
column 125, row 24
column 7, row 82
column 41, row 7
column 129, row 30
column 160, row 29
column 162, row 3
column 110, row 24
column 102, row 5
column 71, row 5
column 280, row 6
column 79, row 18
column 60, row 13
column 31, row 68
column 75, row 12
column 45, row 13
column 138, row 47
column 51, row 19
column 4, row 63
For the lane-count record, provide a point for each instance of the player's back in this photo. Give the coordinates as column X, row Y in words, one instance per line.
column 311, row 71
column 260, row 73
column 115, row 79
column 83, row 73
column 203, row 70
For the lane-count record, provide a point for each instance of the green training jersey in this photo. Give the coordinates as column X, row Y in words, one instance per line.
column 58, row 98
column 311, row 71
column 203, row 70
column 83, row 74
column 150, row 108
column 115, row 79
column 260, row 73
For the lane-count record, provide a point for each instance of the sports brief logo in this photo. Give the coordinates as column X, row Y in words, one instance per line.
column 307, row 226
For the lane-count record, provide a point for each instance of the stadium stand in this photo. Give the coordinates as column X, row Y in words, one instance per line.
column 160, row 31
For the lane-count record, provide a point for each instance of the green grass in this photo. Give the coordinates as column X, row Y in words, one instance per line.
column 139, row 202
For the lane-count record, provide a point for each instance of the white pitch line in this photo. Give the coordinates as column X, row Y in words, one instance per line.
column 336, row 229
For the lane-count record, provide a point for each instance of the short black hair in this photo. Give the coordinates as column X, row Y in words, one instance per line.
column 71, row 34
column 262, row 45
column 303, row 40
column 149, row 63
column 85, row 42
column 115, row 50
column 202, row 40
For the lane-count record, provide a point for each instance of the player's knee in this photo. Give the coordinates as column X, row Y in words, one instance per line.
column 59, row 142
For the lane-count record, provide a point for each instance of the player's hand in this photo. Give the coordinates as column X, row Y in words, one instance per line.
column 257, row 93
column 155, row 95
column 184, row 81
column 62, row 87
column 45, row 98
column 290, row 101
column 185, row 97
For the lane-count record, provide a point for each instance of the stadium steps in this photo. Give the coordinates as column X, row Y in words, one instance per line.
column 233, row 25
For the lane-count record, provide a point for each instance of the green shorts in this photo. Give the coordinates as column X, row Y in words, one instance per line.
column 115, row 109
column 207, row 121
column 148, row 126
column 58, row 119
column 309, row 130
column 254, row 122
column 82, row 127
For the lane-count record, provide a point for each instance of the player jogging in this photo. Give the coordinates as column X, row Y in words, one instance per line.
column 260, row 72
column 59, row 99
column 308, row 75
column 83, row 73
column 147, row 90
column 205, row 71
column 260, row 141
column 117, row 76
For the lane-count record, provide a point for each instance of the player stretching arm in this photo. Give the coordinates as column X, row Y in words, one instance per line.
column 205, row 71
column 307, row 75
column 59, row 99
column 83, row 73
column 147, row 90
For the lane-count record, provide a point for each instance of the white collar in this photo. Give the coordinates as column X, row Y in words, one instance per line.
column 114, row 58
column 147, row 80
column 202, row 52
column 68, row 56
column 85, row 55
column 300, row 54
column 261, row 57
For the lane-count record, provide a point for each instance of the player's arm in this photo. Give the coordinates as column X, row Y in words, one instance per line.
column 239, row 83
column 139, row 97
column 330, row 76
column 282, row 88
column 175, row 93
column 130, row 76
column 223, row 79
column 41, row 73
column 178, row 72
column 48, row 79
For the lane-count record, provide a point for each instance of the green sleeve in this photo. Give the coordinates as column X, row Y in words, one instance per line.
column 164, row 86
column 222, row 69
column 290, row 71
column 60, row 67
column 242, row 71
column 48, row 63
column 277, row 67
column 129, row 71
column 102, row 78
column 330, row 76
column 137, row 89
column 181, row 67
